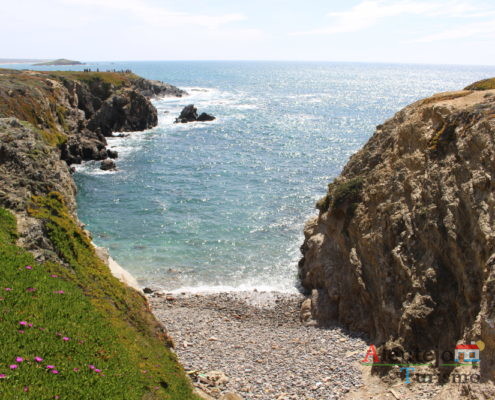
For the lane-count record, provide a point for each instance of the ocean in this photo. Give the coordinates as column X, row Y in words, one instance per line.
column 222, row 205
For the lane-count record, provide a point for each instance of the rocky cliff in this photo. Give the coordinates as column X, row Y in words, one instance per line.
column 403, row 247
column 77, row 110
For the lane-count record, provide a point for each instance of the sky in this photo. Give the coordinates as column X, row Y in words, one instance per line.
column 401, row 31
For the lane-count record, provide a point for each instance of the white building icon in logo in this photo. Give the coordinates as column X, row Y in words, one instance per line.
column 467, row 353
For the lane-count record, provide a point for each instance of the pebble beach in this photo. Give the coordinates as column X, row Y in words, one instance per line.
column 253, row 344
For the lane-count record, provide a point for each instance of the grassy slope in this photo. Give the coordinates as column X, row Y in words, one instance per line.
column 486, row 84
column 108, row 324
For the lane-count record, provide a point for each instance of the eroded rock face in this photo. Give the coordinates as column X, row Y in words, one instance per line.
column 30, row 167
column 78, row 110
column 126, row 110
column 404, row 244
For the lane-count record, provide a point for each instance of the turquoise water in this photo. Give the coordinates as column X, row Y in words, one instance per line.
column 223, row 204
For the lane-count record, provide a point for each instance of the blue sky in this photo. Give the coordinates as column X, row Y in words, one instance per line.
column 404, row 31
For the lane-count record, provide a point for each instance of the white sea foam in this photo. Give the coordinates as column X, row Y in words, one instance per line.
column 208, row 289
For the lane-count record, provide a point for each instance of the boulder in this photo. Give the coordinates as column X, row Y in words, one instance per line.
column 108, row 165
column 231, row 396
column 205, row 117
column 112, row 153
column 190, row 114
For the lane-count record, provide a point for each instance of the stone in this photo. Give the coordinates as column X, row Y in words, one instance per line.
column 231, row 396
column 205, row 117
column 147, row 290
column 112, row 154
column 202, row 394
column 217, row 377
column 190, row 114
column 108, row 165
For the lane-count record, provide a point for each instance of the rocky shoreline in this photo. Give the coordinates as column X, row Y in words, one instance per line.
column 256, row 345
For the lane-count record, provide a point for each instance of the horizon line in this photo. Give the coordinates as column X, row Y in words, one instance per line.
column 28, row 61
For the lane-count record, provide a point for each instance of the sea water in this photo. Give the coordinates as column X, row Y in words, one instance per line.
column 222, row 205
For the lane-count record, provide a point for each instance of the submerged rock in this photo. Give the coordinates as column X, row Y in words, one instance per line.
column 190, row 114
column 108, row 165
column 112, row 153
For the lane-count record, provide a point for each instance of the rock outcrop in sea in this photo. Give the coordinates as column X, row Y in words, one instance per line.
column 403, row 247
column 190, row 114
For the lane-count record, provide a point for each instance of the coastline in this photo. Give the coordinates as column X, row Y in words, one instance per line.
column 117, row 271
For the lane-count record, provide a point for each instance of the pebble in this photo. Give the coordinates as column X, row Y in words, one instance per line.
column 256, row 340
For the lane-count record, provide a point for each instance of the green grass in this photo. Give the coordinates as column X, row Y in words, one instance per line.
column 109, row 325
column 117, row 79
column 347, row 192
column 485, row 84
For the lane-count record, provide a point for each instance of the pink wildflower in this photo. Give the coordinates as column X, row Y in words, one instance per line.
column 23, row 323
column 31, row 289
column 8, row 289
column 14, row 366
column 20, row 331
column 30, row 325
column 3, row 376
column 19, row 359
column 65, row 338
column 54, row 276
column 59, row 292
column 97, row 370
column 29, row 267
column 50, row 366
column 38, row 359
column 26, row 388
column 76, row 369
column 91, row 366
column 54, row 371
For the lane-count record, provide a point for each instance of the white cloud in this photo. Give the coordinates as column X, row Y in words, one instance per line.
column 160, row 15
column 368, row 13
column 479, row 29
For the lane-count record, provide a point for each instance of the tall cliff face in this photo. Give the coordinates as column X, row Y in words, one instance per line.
column 403, row 247
column 77, row 110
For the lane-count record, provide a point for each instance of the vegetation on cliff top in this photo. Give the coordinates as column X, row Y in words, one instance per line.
column 485, row 84
column 32, row 96
column 339, row 194
column 75, row 331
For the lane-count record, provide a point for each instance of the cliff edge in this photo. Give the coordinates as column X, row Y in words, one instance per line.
column 403, row 247
column 69, row 328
